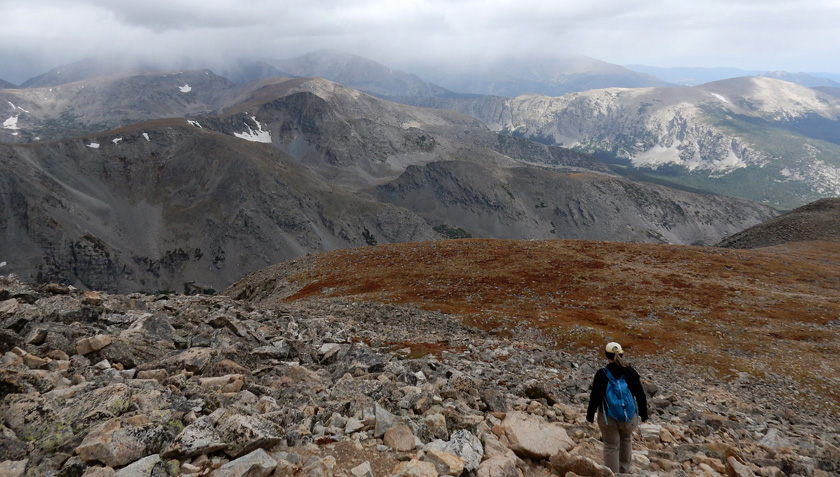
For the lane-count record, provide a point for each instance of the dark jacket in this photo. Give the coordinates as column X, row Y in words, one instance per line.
column 599, row 389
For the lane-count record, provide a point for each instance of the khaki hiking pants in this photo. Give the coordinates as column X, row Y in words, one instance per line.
column 618, row 442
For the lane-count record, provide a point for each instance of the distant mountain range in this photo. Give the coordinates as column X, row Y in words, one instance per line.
column 758, row 138
column 549, row 76
column 253, row 174
column 119, row 176
column 686, row 76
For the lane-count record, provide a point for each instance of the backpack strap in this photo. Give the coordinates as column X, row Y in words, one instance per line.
column 604, row 401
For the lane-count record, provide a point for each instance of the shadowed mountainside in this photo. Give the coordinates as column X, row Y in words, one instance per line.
column 818, row 220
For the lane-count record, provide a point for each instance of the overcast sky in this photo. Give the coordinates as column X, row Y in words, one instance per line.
column 791, row 35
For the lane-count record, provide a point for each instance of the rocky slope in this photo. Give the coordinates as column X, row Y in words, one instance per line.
column 758, row 138
column 818, row 220
column 341, row 384
column 172, row 206
column 102, row 103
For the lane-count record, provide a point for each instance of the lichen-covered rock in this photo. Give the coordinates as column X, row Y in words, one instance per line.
column 118, row 442
column 198, row 438
column 243, row 433
column 463, row 444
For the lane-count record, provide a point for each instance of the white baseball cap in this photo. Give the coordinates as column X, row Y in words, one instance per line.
column 614, row 348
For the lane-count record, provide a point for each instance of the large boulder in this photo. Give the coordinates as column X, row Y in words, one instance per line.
column 243, row 433
column 534, row 437
column 118, row 442
column 198, row 438
column 562, row 462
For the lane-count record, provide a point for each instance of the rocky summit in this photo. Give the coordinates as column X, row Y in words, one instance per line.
column 94, row 384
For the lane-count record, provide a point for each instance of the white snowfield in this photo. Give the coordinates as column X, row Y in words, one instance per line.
column 146, row 135
column 93, row 145
column 194, row 123
column 11, row 123
column 255, row 135
column 185, row 89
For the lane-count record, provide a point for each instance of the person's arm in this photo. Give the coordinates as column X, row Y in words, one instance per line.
column 596, row 396
column 641, row 398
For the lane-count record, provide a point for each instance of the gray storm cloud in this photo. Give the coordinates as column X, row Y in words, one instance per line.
column 767, row 34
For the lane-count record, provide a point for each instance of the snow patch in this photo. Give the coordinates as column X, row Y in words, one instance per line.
column 720, row 97
column 194, row 123
column 659, row 156
column 255, row 135
column 2, row 264
column 146, row 135
column 11, row 123
column 116, row 140
column 93, row 145
column 16, row 107
column 185, row 89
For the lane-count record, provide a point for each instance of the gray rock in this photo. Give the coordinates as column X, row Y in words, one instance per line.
column 384, row 420
column 256, row 464
column 198, row 438
column 13, row 468
column 243, row 434
column 531, row 436
column 464, row 445
column 116, row 443
column 150, row 466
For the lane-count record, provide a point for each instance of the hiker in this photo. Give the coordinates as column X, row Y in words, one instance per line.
column 617, row 422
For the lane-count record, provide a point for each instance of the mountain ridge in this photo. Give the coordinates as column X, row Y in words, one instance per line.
column 327, row 167
column 757, row 138
column 819, row 220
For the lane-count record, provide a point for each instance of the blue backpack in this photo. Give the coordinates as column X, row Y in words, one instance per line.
column 619, row 402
